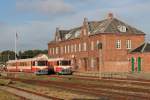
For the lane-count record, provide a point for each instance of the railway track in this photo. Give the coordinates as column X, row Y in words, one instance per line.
column 19, row 97
column 112, row 80
column 97, row 78
column 26, row 94
column 117, row 92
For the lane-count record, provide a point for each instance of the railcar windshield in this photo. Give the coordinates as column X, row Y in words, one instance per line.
column 64, row 63
column 42, row 63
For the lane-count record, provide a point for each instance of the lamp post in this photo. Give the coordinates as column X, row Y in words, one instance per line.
column 100, row 60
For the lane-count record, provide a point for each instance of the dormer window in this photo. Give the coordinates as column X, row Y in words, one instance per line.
column 67, row 36
column 122, row 28
column 77, row 33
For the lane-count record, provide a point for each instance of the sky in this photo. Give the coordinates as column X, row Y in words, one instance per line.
column 35, row 21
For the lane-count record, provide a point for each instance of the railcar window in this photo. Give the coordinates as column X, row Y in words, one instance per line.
column 12, row 64
column 24, row 64
column 42, row 63
column 65, row 63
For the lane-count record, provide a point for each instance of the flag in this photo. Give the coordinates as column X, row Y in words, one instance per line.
column 16, row 36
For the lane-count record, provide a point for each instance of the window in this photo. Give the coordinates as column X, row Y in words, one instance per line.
column 122, row 28
column 64, row 63
column 53, row 50
column 57, row 50
column 68, row 48
column 97, row 44
column 77, row 33
column 42, row 63
column 92, row 45
column 65, row 49
column 92, row 62
column 80, row 63
column 75, row 48
column 72, row 48
column 118, row 44
column 128, row 44
column 79, row 47
column 62, row 50
column 84, row 46
column 50, row 51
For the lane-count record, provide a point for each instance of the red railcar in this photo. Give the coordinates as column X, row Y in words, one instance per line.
column 40, row 65
column 34, row 65
column 60, row 65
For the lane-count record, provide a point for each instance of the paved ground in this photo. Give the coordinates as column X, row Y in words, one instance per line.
column 23, row 94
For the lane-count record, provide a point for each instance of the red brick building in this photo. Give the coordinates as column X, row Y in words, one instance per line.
column 140, row 58
column 80, row 44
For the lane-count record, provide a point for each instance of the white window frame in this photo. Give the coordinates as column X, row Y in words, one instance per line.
column 79, row 47
column 80, row 63
column 128, row 44
column 97, row 42
column 50, row 51
column 56, row 50
column 84, row 46
column 53, row 50
column 92, row 45
column 75, row 47
column 72, row 46
column 92, row 62
column 62, row 51
column 118, row 44
column 68, row 48
column 65, row 49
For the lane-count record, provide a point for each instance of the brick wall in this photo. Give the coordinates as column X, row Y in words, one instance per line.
column 114, row 59
column 145, row 62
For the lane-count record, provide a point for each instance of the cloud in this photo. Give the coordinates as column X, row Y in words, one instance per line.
column 44, row 6
column 37, row 31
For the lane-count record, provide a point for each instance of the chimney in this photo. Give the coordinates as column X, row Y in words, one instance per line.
column 57, row 34
column 110, row 16
column 57, row 29
column 85, row 21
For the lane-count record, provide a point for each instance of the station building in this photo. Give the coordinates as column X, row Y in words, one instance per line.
column 97, row 45
column 140, row 58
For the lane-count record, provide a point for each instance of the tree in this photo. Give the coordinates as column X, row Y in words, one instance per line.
column 7, row 55
column 31, row 53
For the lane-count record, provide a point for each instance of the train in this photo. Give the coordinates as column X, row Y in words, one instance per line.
column 40, row 66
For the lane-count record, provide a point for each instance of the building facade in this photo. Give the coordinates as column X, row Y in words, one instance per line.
column 97, row 45
column 140, row 58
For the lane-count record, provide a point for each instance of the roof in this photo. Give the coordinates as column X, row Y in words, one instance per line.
column 39, row 57
column 112, row 26
column 108, row 25
column 145, row 47
column 71, row 33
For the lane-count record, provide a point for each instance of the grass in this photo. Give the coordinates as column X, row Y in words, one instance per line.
column 4, row 81
column 53, row 91
column 6, row 96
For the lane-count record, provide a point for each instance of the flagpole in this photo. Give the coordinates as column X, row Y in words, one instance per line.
column 15, row 46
